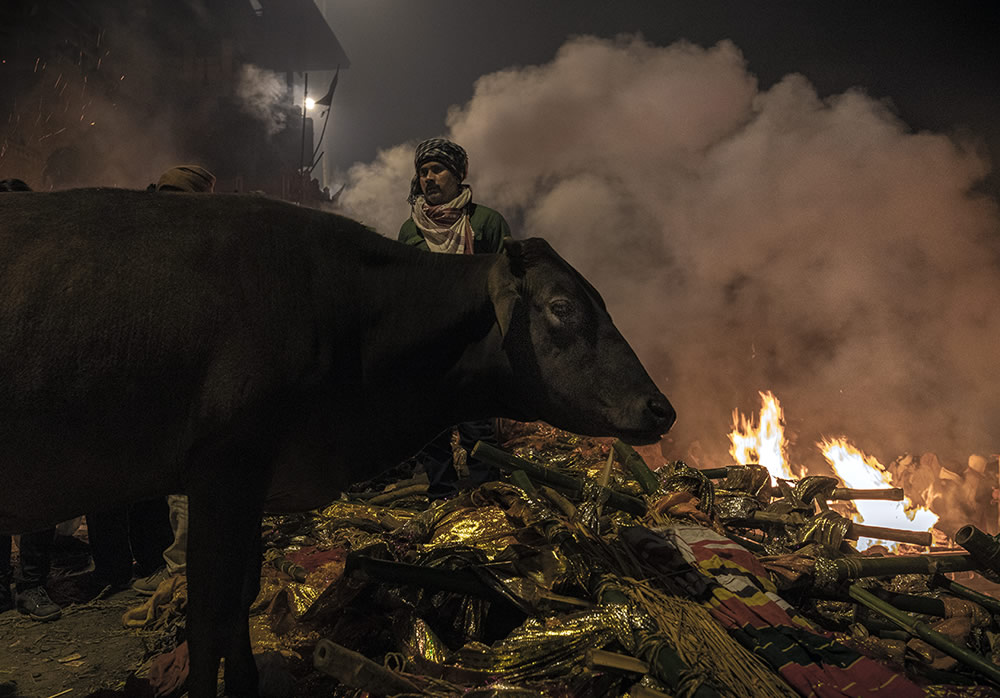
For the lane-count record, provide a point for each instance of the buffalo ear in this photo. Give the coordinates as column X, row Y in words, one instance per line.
column 504, row 289
column 514, row 251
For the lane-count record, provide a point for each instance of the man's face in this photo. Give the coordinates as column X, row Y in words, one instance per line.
column 438, row 184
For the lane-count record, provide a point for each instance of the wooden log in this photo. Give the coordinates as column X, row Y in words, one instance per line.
column 856, row 530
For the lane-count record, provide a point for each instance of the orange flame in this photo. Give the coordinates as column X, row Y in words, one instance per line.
column 857, row 470
column 763, row 444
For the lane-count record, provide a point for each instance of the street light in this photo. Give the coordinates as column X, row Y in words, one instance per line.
column 307, row 104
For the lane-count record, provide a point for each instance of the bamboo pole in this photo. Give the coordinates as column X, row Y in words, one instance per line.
column 521, row 479
column 384, row 498
column 637, row 466
column 357, row 671
column 988, row 602
column 926, row 633
column 892, row 494
column 293, row 570
column 854, row 530
column 858, row 567
column 460, row 581
column 982, row 546
column 509, row 463
column 602, row 659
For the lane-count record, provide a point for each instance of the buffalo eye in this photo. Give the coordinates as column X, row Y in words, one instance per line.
column 561, row 309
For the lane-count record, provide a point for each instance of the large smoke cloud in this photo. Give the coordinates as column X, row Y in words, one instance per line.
column 747, row 239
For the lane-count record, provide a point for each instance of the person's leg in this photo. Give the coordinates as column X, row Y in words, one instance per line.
column 33, row 572
column 6, row 578
column 176, row 553
column 149, row 534
column 107, row 532
column 469, row 433
column 173, row 559
column 36, row 558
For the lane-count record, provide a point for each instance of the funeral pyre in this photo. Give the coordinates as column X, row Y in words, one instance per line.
column 585, row 572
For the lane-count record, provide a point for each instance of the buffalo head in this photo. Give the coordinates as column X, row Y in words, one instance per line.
column 570, row 362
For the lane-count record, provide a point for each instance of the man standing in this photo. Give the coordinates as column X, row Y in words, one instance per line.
column 443, row 218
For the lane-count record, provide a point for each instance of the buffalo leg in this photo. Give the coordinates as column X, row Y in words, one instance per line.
column 223, row 542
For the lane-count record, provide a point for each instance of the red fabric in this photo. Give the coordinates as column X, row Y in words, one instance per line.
column 169, row 671
column 732, row 584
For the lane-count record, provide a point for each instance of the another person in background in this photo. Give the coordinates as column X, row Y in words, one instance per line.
column 444, row 219
column 192, row 179
column 35, row 547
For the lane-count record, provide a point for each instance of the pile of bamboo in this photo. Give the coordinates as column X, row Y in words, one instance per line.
column 521, row 588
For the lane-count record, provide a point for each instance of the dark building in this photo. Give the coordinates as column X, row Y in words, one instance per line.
column 112, row 93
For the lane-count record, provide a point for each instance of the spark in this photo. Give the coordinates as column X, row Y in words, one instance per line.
column 54, row 133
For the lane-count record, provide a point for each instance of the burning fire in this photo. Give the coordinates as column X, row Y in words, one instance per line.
column 765, row 443
column 865, row 472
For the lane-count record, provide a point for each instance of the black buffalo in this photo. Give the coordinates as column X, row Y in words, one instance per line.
column 258, row 355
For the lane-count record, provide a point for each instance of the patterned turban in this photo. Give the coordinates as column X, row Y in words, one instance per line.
column 191, row 178
column 449, row 154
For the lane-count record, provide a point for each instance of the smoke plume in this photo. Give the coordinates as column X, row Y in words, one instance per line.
column 262, row 95
column 747, row 239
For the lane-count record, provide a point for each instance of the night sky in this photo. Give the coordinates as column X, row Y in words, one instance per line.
column 936, row 63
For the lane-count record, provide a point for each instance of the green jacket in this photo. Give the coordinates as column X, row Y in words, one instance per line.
column 489, row 226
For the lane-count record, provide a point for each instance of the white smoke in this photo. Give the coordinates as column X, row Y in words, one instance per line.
column 262, row 95
column 747, row 240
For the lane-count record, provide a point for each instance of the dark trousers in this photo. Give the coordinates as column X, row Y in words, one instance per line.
column 139, row 531
column 36, row 559
column 439, row 461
